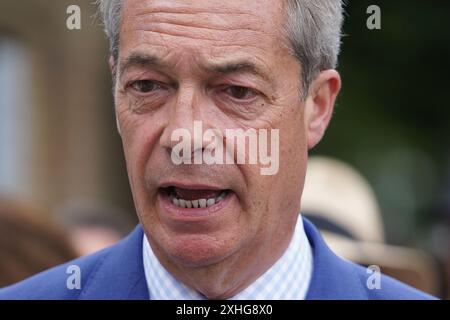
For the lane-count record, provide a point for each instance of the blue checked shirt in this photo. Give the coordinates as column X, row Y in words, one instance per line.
column 287, row 279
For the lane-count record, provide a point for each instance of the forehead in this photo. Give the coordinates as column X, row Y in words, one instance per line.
column 202, row 28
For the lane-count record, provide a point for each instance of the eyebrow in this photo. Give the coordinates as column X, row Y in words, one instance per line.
column 150, row 61
column 239, row 66
column 140, row 60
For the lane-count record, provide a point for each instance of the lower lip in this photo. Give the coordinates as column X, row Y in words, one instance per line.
column 176, row 211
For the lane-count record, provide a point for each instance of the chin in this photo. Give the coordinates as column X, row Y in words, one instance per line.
column 196, row 251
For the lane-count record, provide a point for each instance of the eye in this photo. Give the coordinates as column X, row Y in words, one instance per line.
column 240, row 93
column 145, row 86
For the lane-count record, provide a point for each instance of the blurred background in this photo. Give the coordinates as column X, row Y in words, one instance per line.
column 62, row 166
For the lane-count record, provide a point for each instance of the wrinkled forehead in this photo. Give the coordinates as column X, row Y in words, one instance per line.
column 215, row 25
column 263, row 15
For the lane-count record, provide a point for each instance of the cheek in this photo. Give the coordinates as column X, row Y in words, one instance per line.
column 288, row 183
column 280, row 192
column 293, row 145
column 139, row 139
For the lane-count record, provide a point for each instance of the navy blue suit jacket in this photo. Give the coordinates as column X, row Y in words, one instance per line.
column 118, row 273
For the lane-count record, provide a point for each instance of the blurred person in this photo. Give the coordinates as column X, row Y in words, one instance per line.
column 440, row 242
column 343, row 206
column 212, row 231
column 29, row 243
column 440, row 239
column 92, row 226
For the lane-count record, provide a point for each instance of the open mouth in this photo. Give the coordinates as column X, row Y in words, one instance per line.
column 193, row 198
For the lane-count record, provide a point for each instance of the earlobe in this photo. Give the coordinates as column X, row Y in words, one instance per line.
column 320, row 105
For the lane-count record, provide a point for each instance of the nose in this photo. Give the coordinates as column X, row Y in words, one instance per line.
column 185, row 122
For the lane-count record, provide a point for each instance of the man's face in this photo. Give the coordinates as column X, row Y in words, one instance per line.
column 223, row 63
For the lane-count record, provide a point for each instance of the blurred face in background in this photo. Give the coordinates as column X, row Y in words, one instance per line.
column 90, row 239
column 224, row 64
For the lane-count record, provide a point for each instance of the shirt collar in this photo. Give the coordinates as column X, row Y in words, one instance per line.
column 287, row 279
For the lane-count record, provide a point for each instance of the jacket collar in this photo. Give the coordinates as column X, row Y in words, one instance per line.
column 333, row 278
column 120, row 273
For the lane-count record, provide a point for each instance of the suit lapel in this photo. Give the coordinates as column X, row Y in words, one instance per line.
column 333, row 278
column 120, row 274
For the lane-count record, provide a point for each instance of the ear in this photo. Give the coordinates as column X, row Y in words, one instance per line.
column 112, row 69
column 118, row 126
column 320, row 104
column 112, row 66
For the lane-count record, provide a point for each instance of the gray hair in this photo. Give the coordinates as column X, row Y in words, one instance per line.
column 313, row 30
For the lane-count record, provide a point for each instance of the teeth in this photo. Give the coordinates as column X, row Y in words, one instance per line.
column 202, row 203
column 199, row 203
